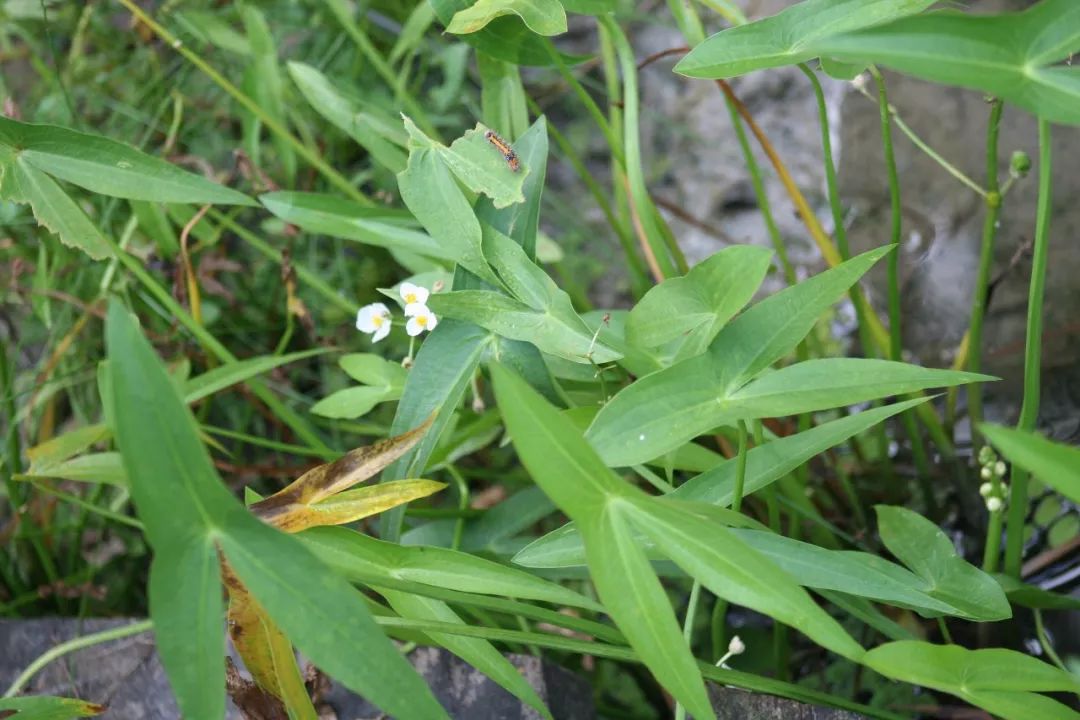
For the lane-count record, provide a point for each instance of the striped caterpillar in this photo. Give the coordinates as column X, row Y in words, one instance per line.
column 504, row 148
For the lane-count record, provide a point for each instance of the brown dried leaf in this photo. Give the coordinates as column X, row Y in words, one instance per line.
column 354, row 466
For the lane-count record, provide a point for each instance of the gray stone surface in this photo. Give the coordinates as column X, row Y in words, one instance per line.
column 127, row 676
column 734, row 704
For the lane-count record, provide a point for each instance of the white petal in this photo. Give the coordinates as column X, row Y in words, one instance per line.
column 413, row 327
column 381, row 332
column 366, row 317
column 416, row 308
column 413, row 293
column 432, row 321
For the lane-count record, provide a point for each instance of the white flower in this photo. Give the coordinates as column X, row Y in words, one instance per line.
column 375, row 320
column 415, row 298
column 993, row 504
column 999, row 468
column 422, row 319
column 985, row 489
column 736, row 646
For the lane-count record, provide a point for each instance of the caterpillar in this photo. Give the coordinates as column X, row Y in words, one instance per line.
column 504, row 148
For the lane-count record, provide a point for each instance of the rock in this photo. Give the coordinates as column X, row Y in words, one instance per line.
column 734, row 704
column 127, row 676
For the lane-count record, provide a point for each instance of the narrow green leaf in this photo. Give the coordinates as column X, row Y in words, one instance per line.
column 375, row 133
column 772, row 328
column 1032, row 596
column 479, row 653
column 661, row 411
column 789, row 36
column 263, row 84
column 1055, row 464
column 553, row 451
column 863, row 575
column 695, row 307
column 348, row 551
column 571, row 474
column 441, row 372
column 229, row 374
column 765, row 464
column 189, row 614
column 212, row 28
column 635, row 599
column 176, row 490
column 543, row 17
column 691, row 536
column 108, row 167
column 835, row 382
column 329, row 215
column 102, row 467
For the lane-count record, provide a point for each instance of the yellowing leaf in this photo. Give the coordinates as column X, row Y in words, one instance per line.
column 350, row 505
column 266, row 652
column 352, row 467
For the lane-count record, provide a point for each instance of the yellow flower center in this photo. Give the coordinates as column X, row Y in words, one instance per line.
column 421, row 321
column 377, row 321
column 410, row 298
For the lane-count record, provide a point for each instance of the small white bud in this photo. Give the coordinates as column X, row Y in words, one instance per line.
column 993, row 504
column 736, row 646
column 985, row 489
column 986, row 473
column 999, row 468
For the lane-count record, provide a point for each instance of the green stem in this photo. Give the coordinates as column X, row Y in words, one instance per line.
column 1029, row 410
column 922, row 145
column 73, row 645
column 463, row 504
column 332, row 176
column 1044, row 641
column 764, row 206
column 894, row 201
column 986, row 263
column 688, row 634
column 740, row 469
column 586, row 99
column 632, row 140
